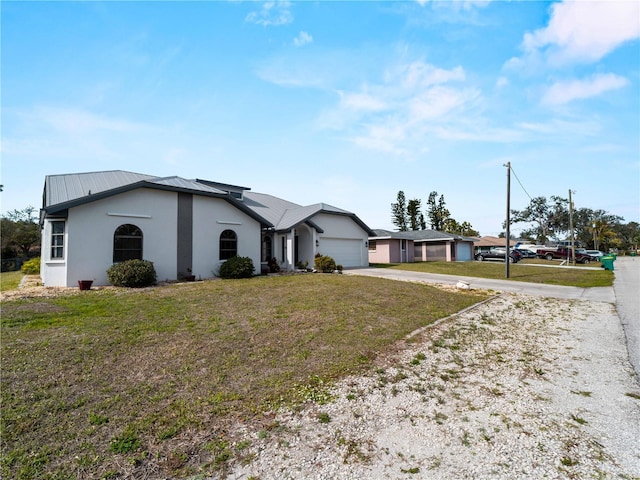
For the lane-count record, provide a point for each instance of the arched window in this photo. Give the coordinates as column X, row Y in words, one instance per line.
column 228, row 244
column 127, row 243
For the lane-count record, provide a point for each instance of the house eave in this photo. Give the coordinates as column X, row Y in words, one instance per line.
column 59, row 208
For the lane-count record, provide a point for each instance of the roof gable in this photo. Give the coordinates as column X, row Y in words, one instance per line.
column 62, row 192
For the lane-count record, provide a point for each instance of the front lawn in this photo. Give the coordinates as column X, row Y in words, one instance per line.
column 10, row 280
column 153, row 383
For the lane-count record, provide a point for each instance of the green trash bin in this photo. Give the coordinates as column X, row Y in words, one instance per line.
column 607, row 262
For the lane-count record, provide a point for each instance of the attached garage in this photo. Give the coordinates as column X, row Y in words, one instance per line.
column 347, row 252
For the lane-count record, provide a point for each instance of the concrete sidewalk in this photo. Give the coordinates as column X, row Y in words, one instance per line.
column 597, row 294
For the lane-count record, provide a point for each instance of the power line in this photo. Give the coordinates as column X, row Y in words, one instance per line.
column 521, row 186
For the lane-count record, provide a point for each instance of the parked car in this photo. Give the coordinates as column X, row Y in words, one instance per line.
column 498, row 254
column 595, row 254
column 563, row 253
column 526, row 253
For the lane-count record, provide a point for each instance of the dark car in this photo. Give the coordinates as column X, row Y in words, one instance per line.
column 526, row 253
column 498, row 254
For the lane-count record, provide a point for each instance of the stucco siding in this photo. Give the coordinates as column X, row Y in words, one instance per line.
column 90, row 230
column 381, row 253
column 212, row 216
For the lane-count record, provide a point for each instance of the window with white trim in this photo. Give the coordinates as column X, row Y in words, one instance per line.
column 57, row 240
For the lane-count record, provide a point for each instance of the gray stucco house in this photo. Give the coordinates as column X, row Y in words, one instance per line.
column 91, row 220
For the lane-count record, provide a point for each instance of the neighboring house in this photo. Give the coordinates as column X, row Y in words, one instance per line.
column 419, row 246
column 91, row 220
column 486, row 243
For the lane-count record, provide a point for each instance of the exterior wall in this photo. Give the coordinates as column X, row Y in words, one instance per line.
column 89, row 231
column 53, row 272
column 392, row 250
column 89, row 236
column 382, row 253
column 212, row 216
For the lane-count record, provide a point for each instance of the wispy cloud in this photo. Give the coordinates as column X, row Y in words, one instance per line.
column 272, row 13
column 584, row 32
column 403, row 112
column 302, row 39
column 564, row 92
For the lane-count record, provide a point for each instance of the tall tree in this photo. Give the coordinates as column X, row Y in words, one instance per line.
column 548, row 220
column 413, row 212
column 437, row 211
column 399, row 212
column 20, row 232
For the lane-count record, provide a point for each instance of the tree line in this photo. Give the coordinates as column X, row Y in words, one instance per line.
column 408, row 215
column 549, row 222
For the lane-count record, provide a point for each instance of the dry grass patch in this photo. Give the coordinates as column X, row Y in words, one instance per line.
column 154, row 382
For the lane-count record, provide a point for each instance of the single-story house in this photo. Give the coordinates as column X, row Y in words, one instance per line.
column 486, row 243
column 419, row 246
column 91, row 220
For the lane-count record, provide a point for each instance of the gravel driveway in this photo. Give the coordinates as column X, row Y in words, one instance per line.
column 518, row 387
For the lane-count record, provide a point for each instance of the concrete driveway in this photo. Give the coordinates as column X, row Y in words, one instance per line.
column 624, row 293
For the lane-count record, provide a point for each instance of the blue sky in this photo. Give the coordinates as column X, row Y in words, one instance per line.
column 338, row 102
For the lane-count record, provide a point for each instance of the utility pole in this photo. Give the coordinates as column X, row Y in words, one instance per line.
column 573, row 246
column 506, row 254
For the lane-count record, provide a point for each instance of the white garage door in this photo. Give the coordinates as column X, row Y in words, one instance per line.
column 345, row 251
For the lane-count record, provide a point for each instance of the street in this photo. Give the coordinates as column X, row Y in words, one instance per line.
column 627, row 290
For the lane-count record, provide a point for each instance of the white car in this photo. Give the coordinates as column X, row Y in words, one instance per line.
column 595, row 254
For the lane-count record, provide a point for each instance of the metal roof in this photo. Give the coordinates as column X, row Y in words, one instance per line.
column 69, row 190
column 68, row 187
column 286, row 215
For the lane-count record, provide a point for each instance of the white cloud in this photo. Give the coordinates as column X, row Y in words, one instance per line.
column 361, row 102
column 564, row 92
column 272, row 13
column 585, row 31
column 502, row 82
column 302, row 39
column 438, row 102
column 419, row 74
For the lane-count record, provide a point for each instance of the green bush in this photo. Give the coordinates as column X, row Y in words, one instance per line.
column 31, row 267
column 324, row 263
column 237, row 267
column 132, row 273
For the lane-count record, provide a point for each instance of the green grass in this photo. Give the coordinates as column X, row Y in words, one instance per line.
column 10, row 280
column 153, row 382
column 526, row 271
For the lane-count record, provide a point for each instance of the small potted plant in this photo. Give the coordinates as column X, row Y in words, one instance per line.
column 85, row 284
